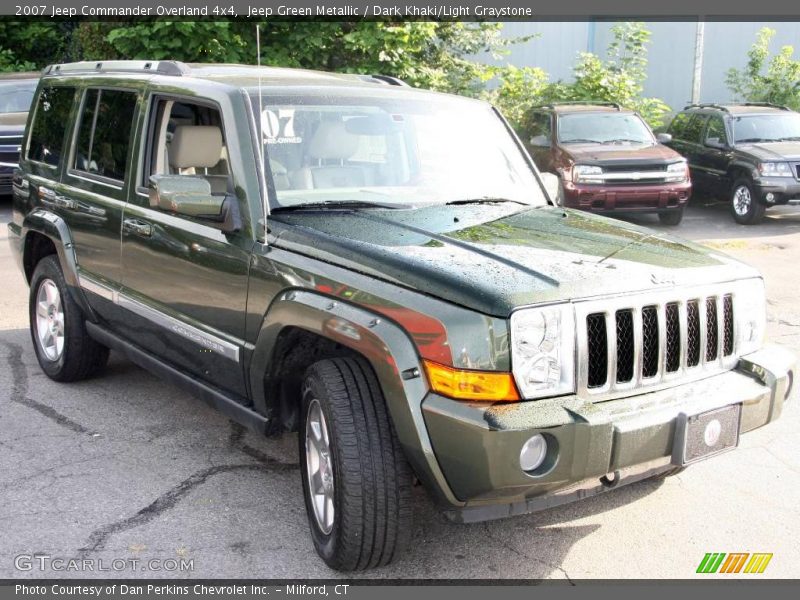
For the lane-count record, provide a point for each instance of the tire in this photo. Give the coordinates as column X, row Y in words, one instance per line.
column 746, row 209
column 52, row 310
column 672, row 218
column 370, row 478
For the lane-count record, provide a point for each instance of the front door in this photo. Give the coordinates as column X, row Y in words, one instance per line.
column 184, row 278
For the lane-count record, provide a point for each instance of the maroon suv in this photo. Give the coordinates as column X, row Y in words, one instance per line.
column 609, row 160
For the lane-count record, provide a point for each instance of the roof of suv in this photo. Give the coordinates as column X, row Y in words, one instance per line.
column 748, row 108
column 570, row 107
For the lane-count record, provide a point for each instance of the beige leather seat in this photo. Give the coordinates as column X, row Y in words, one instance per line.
column 195, row 149
column 330, row 142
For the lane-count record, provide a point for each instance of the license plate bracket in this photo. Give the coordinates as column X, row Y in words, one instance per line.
column 706, row 434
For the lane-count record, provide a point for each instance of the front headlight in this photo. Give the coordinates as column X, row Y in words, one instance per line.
column 677, row 171
column 586, row 174
column 750, row 310
column 775, row 169
column 543, row 350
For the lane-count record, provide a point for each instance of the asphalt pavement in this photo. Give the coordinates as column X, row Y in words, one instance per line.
column 125, row 470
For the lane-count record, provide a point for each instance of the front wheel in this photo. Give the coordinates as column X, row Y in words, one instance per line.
column 745, row 207
column 63, row 347
column 671, row 218
column 356, row 481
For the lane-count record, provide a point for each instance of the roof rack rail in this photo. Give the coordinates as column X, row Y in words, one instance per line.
column 706, row 105
column 386, row 79
column 158, row 67
column 729, row 104
column 768, row 104
column 581, row 102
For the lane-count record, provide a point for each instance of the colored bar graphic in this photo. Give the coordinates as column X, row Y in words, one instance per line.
column 713, row 562
column 758, row 562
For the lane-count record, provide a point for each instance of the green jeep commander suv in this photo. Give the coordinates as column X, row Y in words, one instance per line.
column 380, row 269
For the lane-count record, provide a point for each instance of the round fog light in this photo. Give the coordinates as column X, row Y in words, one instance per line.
column 770, row 197
column 533, row 453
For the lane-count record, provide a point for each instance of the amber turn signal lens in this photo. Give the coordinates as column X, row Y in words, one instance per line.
column 487, row 386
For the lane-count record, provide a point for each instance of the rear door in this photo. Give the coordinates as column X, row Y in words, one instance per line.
column 715, row 157
column 184, row 279
column 92, row 192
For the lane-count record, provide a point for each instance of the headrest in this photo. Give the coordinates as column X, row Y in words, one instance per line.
column 195, row 146
column 332, row 141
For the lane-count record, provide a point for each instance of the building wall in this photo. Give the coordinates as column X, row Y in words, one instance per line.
column 671, row 53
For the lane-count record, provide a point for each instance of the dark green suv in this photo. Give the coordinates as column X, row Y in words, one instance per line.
column 380, row 269
column 748, row 154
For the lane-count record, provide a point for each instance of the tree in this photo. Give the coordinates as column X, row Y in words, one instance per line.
column 620, row 77
column 776, row 81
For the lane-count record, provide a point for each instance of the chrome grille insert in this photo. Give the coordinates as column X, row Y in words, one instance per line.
column 650, row 340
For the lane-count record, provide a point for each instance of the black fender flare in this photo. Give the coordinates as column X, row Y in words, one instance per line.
column 388, row 349
column 52, row 226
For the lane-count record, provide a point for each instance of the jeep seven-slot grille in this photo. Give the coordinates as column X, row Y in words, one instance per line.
column 650, row 342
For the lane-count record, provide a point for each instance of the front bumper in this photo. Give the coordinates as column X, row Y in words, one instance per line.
column 782, row 189
column 626, row 198
column 600, row 445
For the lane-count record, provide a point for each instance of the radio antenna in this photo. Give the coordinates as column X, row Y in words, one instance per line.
column 261, row 132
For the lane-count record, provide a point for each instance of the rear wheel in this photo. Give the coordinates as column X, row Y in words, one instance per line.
column 671, row 218
column 63, row 347
column 745, row 207
column 356, row 481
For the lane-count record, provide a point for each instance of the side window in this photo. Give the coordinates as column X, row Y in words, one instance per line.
column 104, row 133
column 678, row 126
column 716, row 130
column 49, row 124
column 694, row 128
column 187, row 139
column 540, row 129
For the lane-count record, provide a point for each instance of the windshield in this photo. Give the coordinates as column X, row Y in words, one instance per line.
column 603, row 128
column 766, row 128
column 16, row 96
column 391, row 151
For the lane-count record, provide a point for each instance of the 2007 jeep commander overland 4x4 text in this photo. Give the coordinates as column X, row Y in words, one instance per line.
column 380, row 269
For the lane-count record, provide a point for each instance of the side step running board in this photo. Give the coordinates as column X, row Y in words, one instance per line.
column 210, row 395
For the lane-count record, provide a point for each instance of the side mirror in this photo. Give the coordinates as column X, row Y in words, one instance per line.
column 664, row 138
column 715, row 142
column 552, row 185
column 191, row 196
column 540, row 141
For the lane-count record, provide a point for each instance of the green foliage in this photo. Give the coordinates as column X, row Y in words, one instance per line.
column 776, row 81
column 620, row 77
column 30, row 45
column 517, row 91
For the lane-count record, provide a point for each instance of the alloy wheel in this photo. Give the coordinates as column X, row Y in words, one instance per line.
column 742, row 200
column 319, row 466
column 50, row 320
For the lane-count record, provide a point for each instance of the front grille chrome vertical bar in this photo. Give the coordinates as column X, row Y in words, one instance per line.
column 701, row 308
column 611, row 336
column 683, row 325
column 661, row 315
column 636, row 314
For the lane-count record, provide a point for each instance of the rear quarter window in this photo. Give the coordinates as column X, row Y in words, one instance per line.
column 46, row 144
column 678, row 125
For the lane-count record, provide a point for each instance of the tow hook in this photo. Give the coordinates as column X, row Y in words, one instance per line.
column 610, row 480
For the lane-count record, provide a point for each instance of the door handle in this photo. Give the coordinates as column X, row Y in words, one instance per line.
column 65, row 203
column 137, row 227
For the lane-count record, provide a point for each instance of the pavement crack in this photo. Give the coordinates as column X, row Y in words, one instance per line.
column 524, row 555
column 236, row 442
column 168, row 500
column 19, row 392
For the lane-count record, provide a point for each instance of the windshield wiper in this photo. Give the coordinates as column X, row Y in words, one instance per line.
column 754, row 140
column 337, row 204
column 791, row 138
column 485, row 200
column 623, row 140
column 581, row 141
